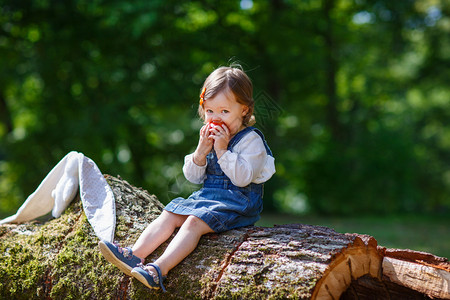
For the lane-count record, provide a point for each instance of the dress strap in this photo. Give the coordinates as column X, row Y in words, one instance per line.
column 242, row 133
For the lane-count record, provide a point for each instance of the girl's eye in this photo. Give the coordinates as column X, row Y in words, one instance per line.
column 224, row 111
column 209, row 111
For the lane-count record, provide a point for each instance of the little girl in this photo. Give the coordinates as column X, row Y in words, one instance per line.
column 232, row 160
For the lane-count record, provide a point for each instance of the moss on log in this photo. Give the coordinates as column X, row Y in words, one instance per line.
column 59, row 259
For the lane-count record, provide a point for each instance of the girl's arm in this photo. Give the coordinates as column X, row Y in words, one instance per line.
column 205, row 144
column 193, row 172
column 248, row 162
column 195, row 164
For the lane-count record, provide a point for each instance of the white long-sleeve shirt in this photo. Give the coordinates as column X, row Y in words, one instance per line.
column 247, row 162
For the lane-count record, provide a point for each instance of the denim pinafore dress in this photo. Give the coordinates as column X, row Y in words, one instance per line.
column 219, row 203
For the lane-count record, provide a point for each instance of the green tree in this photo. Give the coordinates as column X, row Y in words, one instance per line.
column 351, row 95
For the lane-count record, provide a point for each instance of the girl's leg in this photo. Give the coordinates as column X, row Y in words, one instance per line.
column 157, row 233
column 183, row 243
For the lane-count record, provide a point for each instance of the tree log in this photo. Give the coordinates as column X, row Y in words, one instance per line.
column 59, row 259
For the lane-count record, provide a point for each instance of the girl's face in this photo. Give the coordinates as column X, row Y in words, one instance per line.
column 224, row 107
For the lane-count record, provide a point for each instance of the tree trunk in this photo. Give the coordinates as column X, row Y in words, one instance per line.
column 59, row 259
column 5, row 114
column 331, row 69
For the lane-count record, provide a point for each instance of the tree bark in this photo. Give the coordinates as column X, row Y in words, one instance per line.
column 59, row 259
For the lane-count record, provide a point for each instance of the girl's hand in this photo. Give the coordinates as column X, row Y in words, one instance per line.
column 205, row 144
column 221, row 137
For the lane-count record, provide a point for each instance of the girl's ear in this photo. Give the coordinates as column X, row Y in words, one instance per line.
column 244, row 110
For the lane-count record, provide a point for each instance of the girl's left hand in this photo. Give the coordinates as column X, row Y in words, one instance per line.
column 221, row 137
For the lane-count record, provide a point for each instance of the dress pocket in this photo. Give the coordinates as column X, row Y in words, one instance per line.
column 243, row 201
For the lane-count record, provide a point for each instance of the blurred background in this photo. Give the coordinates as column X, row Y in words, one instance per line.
column 353, row 97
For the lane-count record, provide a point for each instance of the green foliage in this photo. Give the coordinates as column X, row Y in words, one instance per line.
column 352, row 95
column 380, row 169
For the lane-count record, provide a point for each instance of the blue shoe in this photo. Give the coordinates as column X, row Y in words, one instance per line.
column 122, row 258
column 148, row 277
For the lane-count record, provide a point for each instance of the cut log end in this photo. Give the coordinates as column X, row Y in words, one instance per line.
column 361, row 258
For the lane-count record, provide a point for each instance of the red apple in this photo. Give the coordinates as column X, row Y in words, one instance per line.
column 217, row 123
column 213, row 123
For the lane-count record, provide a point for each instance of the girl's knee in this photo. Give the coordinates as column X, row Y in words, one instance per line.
column 175, row 219
column 196, row 224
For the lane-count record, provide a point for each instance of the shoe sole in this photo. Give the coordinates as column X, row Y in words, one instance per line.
column 109, row 256
column 142, row 279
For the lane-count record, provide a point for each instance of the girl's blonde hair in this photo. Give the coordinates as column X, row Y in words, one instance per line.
column 230, row 79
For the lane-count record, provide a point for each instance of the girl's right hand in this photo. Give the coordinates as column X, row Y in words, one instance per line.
column 205, row 144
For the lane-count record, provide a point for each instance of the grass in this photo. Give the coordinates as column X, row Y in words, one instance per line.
column 421, row 233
